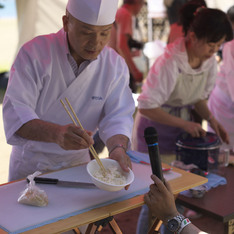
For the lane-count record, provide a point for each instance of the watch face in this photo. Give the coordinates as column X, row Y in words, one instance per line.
column 173, row 225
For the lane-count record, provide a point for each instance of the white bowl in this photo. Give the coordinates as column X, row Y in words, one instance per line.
column 93, row 166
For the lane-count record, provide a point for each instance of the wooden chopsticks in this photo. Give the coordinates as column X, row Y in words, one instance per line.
column 92, row 150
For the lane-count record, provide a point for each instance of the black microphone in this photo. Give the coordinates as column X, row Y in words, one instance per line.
column 151, row 138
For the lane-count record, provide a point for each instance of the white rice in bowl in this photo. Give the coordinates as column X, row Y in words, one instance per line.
column 113, row 176
column 115, row 180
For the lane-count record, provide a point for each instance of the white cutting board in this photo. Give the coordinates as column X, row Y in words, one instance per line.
column 66, row 202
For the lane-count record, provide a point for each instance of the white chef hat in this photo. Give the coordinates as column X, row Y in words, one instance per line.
column 94, row 12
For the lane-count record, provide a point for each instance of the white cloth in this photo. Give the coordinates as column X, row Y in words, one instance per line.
column 173, row 82
column 35, row 17
column 221, row 100
column 98, row 12
column 99, row 95
column 225, row 78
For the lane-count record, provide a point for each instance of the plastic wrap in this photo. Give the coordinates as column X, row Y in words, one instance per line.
column 33, row 195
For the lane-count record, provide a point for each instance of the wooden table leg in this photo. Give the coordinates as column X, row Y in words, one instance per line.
column 91, row 229
column 76, row 230
column 155, row 226
column 97, row 226
column 230, row 227
column 114, row 227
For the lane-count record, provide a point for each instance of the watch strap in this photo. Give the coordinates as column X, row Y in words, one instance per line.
column 183, row 224
column 179, row 218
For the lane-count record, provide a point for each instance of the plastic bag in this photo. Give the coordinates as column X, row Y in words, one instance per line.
column 33, row 195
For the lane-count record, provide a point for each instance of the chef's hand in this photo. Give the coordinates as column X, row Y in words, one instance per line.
column 194, row 129
column 123, row 159
column 160, row 200
column 71, row 137
column 219, row 130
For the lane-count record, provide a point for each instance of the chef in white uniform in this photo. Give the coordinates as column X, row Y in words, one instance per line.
column 221, row 100
column 73, row 63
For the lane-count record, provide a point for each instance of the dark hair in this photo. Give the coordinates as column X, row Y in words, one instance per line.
column 131, row 2
column 230, row 13
column 206, row 23
column 187, row 11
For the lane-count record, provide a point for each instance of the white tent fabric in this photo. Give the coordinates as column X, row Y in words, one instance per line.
column 36, row 17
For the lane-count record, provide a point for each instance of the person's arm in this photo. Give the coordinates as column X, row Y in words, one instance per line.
column 123, row 34
column 124, row 50
column 160, row 116
column 227, row 67
column 161, row 203
column 115, row 126
column 202, row 109
column 117, row 146
column 68, row 137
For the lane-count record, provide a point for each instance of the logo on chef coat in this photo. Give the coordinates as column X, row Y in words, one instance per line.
column 98, row 98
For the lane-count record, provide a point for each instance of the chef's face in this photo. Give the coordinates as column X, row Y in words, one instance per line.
column 85, row 41
column 204, row 50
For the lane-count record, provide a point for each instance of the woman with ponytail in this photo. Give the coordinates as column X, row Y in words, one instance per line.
column 181, row 79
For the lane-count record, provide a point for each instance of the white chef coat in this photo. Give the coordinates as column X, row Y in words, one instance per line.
column 174, row 86
column 99, row 95
column 221, row 100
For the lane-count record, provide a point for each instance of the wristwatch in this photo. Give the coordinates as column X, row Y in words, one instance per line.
column 174, row 223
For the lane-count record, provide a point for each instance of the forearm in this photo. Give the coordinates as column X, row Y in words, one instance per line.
column 191, row 229
column 125, row 52
column 68, row 137
column 117, row 146
column 39, row 130
column 188, row 229
column 202, row 109
column 117, row 140
column 162, row 117
column 161, row 203
column 129, row 61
